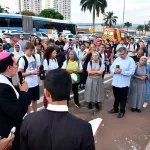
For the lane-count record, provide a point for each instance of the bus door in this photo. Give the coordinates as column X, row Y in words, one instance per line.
column 27, row 24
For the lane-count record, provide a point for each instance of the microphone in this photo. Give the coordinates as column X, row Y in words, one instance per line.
column 20, row 77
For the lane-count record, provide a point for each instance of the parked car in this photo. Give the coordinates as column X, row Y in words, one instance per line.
column 42, row 35
column 95, row 35
column 69, row 36
column 16, row 36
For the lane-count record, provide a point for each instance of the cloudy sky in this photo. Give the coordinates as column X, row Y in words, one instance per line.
column 137, row 11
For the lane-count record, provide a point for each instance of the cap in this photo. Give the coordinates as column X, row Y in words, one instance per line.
column 4, row 55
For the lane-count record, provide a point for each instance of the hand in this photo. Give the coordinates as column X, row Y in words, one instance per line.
column 6, row 143
column 118, row 71
column 34, row 72
column 143, row 77
column 137, row 63
column 100, row 72
column 23, row 87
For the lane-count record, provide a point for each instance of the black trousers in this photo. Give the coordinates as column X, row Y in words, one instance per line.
column 75, row 93
column 120, row 95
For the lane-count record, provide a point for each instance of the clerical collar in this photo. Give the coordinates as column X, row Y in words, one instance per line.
column 9, row 78
column 57, row 108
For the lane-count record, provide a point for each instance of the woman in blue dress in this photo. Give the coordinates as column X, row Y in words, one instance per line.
column 147, row 95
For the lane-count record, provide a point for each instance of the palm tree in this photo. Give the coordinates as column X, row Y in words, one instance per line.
column 128, row 25
column 96, row 6
column 110, row 19
column 146, row 28
column 140, row 28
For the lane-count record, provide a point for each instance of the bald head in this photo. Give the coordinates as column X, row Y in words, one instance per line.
column 140, row 53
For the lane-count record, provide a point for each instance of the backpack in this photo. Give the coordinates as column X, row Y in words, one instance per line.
column 26, row 62
column 48, row 61
column 133, row 46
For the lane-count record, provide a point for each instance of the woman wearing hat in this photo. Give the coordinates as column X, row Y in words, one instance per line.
column 138, row 87
column 147, row 95
column 94, row 90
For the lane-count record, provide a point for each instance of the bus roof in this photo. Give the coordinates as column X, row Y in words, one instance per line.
column 35, row 18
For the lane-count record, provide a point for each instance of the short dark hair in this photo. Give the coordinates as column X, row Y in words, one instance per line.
column 59, row 34
column 29, row 45
column 5, row 63
column 22, row 34
column 122, row 49
column 132, row 39
column 58, row 83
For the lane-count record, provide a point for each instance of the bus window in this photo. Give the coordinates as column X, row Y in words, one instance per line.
column 3, row 22
column 15, row 22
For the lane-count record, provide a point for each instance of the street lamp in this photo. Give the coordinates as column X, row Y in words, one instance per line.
column 20, row 6
column 124, row 11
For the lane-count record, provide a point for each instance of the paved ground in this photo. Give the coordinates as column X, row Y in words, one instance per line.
column 130, row 133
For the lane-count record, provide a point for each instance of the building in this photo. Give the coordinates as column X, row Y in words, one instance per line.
column 31, row 5
column 62, row 6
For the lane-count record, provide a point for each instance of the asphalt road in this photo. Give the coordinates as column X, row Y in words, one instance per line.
column 129, row 133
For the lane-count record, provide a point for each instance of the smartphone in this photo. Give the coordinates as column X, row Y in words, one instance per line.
column 117, row 66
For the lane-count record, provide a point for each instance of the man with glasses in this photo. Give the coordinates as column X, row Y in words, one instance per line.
column 122, row 68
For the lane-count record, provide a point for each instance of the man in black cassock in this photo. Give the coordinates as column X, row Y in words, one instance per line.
column 13, row 105
column 55, row 128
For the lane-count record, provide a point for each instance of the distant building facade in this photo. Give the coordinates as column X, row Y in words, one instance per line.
column 62, row 6
column 31, row 5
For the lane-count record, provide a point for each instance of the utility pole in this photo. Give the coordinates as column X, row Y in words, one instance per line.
column 19, row 6
column 124, row 11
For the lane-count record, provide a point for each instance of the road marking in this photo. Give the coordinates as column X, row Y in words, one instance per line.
column 80, row 92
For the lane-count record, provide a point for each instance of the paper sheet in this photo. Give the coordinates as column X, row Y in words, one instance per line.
column 95, row 124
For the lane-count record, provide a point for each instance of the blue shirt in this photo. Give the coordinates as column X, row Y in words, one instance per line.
column 127, row 66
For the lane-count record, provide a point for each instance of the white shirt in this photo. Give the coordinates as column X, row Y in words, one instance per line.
column 131, row 47
column 58, row 108
column 32, row 80
column 127, row 66
column 103, row 57
column 38, row 59
column 53, row 64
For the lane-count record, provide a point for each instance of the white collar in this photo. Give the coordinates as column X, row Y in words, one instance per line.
column 4, row 80
column 58, row 108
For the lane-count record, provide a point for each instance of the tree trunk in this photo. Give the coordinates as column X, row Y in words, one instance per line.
column 94, row 17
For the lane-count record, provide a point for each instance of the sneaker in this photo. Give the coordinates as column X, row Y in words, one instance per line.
column 138, row 110
column 90, row 106
column 145, row 105
column 97, row 106
column 78, row 105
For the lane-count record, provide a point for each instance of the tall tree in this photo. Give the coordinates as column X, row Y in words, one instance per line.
column 128, row 25
column 140, row 28
column 27, row 13
column 51, row 13
column 1, row 9
column 146, row 28
column 110, row 19
column 97, row 6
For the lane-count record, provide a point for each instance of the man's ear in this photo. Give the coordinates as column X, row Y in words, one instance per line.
column 47, row 95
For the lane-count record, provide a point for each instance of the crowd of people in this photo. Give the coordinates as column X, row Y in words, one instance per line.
column 86, row 64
